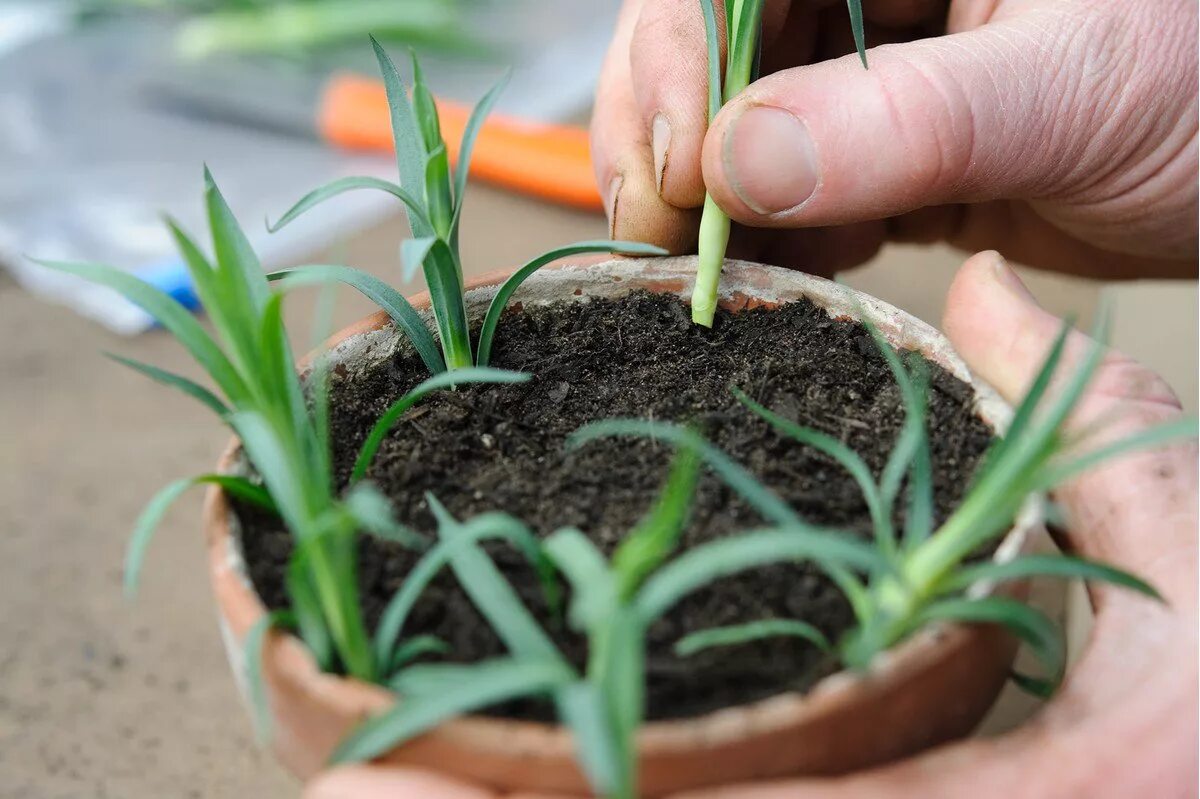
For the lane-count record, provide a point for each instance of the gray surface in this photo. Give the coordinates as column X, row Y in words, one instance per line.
column 102, row 698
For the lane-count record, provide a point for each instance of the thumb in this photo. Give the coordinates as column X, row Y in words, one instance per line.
column 1005, row 111
column 1137, row 511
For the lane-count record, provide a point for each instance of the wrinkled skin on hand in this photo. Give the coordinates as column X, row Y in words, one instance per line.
column 1124, row 724
column 1062, row 132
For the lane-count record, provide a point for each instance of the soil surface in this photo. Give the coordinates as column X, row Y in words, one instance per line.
column 485, row 448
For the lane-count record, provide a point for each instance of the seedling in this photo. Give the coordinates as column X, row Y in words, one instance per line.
column 433, row 196
column 743, row 27
column 928, row 572
column 284, row 433
column 613, row 604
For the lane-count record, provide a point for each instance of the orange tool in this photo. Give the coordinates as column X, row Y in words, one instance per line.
column 547, row 161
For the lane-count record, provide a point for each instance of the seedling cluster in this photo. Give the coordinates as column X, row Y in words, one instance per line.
column 897, row 583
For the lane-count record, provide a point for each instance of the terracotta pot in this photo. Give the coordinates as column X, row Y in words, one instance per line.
column 933, row 688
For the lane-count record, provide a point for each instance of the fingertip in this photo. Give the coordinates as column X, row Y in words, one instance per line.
column 384, row 782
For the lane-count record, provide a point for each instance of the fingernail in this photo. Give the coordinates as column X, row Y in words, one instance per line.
column 1009, row 281
column 614, row 194
column 660, row 140
column 770, row 159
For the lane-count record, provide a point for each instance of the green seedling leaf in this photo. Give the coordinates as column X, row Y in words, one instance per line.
column 792, row 542
column 856, row 26
column 845, row 457
column 147, row 524
column 465, row 150
column 406, row 135
column 1160, row 435
column 918, row 523
column 491, row 320
column 253, row 647
column 430, row 678
column 1023, row 415
column 594, row 590
column 712, row 41
column 443, row 277
column 273, row 460
column 489, row 526
column 414, row 648
column 655, row 537
column 1064, row 566
column 177, row 319
column 383, row 295
column 189, row 387
column 413, row 253
column 437, row 191
column 492, row 595
column 1030, row 625
column 277, row 367
column 735, row 634
column 584, row 711
column 233, row 253
column 306, row 605
column 458, row 377
column 414, row 206
column 373, row 512
column 745, row 484
column 623, row 677
column 488, row 683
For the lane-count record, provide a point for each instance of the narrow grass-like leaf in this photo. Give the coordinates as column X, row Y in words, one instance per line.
column 1065, row 566
column 253, row 648
column 467, row 147
column 623, row 679
column 414, row 206
column 856, row 27
column 277, row 369
column 1157, row 436
column 918, row 522
column 414, row 648
column 189, row 387
column 735, row 634
column 413, row 253
column 234, row 255
column 177, row 319
column 406, row 135
column 650, row 543
column 276, row 465
column 310, row 618
column 594, row 591
column 712, row 42
column 845, row 457
column 488, row 683
column 147, row 524
column 1023, row 415
column 599, row 752
column 373, row 512
column 437, row 191
column 443, row 277
column 487, row 330
column 401, row 406
column 702, row 565
column 383, row 295
column 762, row 499
column 492, row 595
column 489, row 526
column 1030, row 625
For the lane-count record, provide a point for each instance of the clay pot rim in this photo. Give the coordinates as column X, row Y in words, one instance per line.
column 552, row 739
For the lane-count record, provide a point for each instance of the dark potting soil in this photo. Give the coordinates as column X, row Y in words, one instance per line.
column 485, row 448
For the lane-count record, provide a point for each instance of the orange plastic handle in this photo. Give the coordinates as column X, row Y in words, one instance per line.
column 547, row 161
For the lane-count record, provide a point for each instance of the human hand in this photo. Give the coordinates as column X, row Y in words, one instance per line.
column 1061, row 131
column 1124, row 722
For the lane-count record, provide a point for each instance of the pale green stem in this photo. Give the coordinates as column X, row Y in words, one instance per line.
column 714, row 238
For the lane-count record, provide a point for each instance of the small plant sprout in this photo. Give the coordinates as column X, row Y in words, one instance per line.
column 433, row 194
column 743, row 28
column 613, row 602
column 928, row 570
column 282, row 421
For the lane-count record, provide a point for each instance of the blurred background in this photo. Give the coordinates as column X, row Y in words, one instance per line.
column 108, row 109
